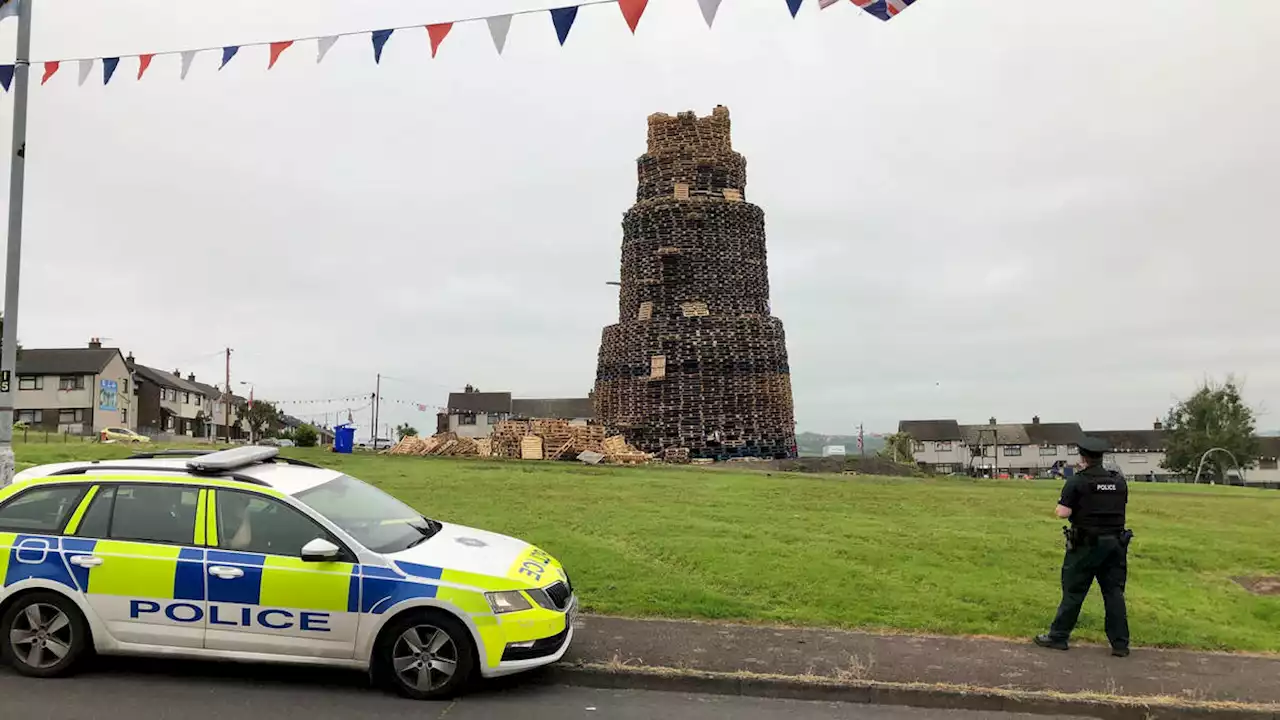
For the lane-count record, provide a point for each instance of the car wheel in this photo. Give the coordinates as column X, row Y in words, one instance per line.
column 425, row 655
column 44, row 635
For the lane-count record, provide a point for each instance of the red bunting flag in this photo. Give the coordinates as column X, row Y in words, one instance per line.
column 437, row 34
column 276, row 49
column 144, row 62
column 632, row 10
column 50, row 68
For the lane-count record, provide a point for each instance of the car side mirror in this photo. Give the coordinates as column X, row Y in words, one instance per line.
column 319, row 550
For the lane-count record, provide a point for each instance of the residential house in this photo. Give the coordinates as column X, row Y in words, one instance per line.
column 168, row 403
column 1267, row 470
column 1139, row 454
column 1034, row 448
column 472, row 413
column 74, row 390
column 937, row 444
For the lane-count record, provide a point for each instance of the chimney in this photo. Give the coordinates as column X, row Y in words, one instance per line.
column 1158, row 425
column 191, row 377
column 468, row 389
column 95, row 344
column 129, row 358
column 1035, row 420
column 992, row 421
column 177, row 373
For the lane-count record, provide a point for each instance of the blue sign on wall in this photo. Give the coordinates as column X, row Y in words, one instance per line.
column 107, row 395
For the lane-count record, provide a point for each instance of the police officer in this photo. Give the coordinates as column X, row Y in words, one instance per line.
column 1094, row 500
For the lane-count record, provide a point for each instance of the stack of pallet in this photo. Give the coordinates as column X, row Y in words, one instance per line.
column 530, row 447
column 617, row 451
column 445, row 445
column 506, row 438
column 676, row 455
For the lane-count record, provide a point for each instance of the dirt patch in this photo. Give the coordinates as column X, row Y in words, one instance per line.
column 1260, row 584
column 831, row 465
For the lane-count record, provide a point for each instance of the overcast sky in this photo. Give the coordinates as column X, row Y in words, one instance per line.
column 981, row 208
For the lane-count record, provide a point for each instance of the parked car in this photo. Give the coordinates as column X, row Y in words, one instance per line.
column 124, row 435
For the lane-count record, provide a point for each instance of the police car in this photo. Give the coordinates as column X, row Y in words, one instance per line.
column 245, row 555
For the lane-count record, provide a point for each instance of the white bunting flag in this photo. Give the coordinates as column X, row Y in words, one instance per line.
column 824, row 4
column 86, row 67
column 709, row 8
column 9, row 8
column 187, row 57
column 498, row 27
column 322, row 47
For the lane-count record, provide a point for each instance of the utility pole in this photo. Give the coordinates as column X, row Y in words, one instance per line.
column 226, row 399
column 13, row 261
column 377, row 396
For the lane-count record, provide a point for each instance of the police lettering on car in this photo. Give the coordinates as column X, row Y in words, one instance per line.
column 1094, row 500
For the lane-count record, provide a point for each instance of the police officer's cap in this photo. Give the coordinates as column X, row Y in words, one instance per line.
column 1092, row 446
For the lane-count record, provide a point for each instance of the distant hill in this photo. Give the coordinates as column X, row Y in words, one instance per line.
column 1269, row 433
column 811, row 444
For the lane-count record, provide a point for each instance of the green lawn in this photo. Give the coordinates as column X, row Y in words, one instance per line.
column 941, row 556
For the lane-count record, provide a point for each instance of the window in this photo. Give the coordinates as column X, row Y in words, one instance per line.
column 186, row 398
column 1138, row 459
column 1073, row 450
column 917, row 446
column 96, row 522
column 31, row 417
column 31, row 382
column 153, row 513
column 943, row 469
column 124, row 386
column 124, row 415
column 467, row 419
column 41, row 510
column 67, row 417
column 1013, row 451
column 1048, row 449
column 944, row 445
column 258, row 524
column 71, row 382
column 375, row 519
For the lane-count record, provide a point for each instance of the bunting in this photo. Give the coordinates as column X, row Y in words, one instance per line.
column 323, row 45
column 437, row 34
column 276, row 49
column 631, row 12
column 109, row 68
column 498, row 28
column 562, row 19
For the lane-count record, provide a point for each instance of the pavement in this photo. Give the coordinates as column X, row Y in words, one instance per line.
column 116, row 689
column 925, row 670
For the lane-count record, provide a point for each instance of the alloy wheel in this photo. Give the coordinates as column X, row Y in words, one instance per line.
column 425, row 657
column 41, row 635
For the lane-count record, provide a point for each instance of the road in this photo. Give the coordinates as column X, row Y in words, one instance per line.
column 116, row 689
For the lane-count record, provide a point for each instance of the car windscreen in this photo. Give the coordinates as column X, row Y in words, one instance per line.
column 375, row 519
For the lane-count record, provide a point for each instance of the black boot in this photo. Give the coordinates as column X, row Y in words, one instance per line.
column 1119, row 651
column 1045, row 641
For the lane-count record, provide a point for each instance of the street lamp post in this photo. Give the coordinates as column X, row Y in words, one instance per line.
column 252, row 439
column 13, row 260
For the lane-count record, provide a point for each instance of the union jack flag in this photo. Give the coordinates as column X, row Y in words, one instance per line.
column 883, row 9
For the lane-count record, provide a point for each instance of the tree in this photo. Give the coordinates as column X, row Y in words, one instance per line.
column 899, row 447
column 262, row 417
column 1216, row 416
column 305, row 436
column 406, row 430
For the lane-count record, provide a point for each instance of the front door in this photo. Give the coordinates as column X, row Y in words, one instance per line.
column 262, row 597
column 144, row 562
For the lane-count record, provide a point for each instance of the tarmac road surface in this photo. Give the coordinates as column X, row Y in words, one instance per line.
column 118, row 689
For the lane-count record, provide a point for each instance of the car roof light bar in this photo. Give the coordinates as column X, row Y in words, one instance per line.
column 232, row 459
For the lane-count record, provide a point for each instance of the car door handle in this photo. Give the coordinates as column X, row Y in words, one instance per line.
column 85, row 561
column 224, row 572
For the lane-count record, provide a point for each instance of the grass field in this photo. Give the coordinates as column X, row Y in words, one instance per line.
column 940, row 556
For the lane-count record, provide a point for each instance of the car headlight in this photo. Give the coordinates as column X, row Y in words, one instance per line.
column 506, row 602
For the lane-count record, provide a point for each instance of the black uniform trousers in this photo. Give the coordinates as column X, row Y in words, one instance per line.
column 1104, row 558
